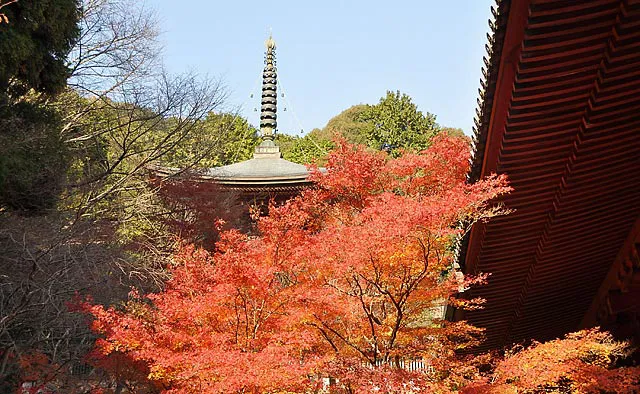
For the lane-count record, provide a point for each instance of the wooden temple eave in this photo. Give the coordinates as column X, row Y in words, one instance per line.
column 265, row 193
column 494, row 98
column 560, row 115
column 614, row 301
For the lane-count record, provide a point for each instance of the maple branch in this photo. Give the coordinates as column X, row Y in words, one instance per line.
column 339, row 290
column 237, row 312
column 376, row 271
column 3, row 16
column 325, row 335
column 399, row 306
column 378, row 287
column 246, row 316
column 415, row 281
column 370, row 318
column 345, row 340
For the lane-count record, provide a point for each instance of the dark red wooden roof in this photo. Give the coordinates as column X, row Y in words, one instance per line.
column 559, row 113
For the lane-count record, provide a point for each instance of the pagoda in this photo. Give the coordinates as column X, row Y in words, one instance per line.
column 265, row 178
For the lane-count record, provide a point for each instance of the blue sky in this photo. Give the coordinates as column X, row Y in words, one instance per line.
column 333, row 54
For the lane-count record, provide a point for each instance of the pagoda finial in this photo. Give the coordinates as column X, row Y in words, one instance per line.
column 269, row 107
column 270, row 43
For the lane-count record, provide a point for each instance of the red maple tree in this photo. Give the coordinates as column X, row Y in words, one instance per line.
column 347, row 281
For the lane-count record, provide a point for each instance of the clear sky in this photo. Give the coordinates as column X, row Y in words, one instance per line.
column 333, row 54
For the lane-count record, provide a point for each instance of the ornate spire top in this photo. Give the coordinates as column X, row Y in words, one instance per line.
column 269, row 107
column 270, row 43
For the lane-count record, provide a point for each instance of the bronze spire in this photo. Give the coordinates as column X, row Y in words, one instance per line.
column 268, row 109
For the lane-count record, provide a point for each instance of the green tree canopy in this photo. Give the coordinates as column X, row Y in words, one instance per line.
column 312, row 148
column 454, row 132
column 348, row 124
column 219, row 139
column 393, row 124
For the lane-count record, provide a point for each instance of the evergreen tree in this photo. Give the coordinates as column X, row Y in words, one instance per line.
column 34, row 45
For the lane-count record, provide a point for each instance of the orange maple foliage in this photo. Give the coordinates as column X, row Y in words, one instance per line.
column 348, row 280
column 582, row 362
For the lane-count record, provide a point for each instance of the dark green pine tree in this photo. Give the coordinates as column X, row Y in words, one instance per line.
column 34, row 45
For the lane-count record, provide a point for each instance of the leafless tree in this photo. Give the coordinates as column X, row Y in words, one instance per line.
column 118, row 45
column 116, row 70
column 115, row 67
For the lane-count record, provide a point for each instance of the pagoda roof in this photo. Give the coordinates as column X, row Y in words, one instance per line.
column 266, row 168
column 265, row 171
column 260, row 170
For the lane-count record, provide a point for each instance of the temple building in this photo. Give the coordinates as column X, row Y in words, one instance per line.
column 559, row 113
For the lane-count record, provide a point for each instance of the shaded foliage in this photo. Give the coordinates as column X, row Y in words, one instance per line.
column 33, row 158
column 197, row 212
column 41, row 269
